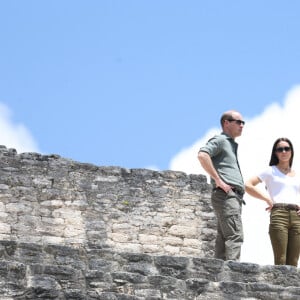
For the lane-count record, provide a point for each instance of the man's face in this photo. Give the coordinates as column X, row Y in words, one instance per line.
column 235, row 125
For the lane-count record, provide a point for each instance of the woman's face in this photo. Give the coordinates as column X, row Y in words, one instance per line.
column 283, row 151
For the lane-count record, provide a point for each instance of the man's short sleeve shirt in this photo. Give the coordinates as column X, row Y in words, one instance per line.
column 223, row 152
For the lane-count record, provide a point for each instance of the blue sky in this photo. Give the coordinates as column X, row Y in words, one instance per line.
column 142, row 84
column 131, row 83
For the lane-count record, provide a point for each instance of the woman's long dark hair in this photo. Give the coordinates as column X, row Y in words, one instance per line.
column 274, row 159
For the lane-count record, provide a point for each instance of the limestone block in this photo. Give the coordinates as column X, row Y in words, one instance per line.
column 183, row 231
column 5, row 228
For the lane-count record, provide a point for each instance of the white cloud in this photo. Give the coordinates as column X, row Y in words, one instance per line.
column 255, row 147
column 13, row 135
column 153, row 168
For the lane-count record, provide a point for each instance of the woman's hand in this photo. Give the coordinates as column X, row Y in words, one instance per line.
column 270, row 205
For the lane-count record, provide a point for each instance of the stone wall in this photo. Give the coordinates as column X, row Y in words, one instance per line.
column 70, row 230
column 51, row 200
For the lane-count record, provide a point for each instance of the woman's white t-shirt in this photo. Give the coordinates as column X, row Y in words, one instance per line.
column 281, row 187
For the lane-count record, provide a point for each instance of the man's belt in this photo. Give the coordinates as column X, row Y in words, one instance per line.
column 238, row 192
column 285, row 206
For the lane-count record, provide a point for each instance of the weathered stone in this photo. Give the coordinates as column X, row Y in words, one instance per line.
column 70, row 230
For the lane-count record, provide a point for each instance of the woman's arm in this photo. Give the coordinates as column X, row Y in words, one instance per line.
column 252, row 190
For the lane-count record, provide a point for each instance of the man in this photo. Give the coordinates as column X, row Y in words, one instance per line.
column 219, row 159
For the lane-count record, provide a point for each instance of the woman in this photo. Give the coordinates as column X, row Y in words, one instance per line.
column 283, row 199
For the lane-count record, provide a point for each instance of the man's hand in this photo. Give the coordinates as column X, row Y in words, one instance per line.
column 224, row 186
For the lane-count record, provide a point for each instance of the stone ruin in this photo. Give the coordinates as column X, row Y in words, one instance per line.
column 71, row 230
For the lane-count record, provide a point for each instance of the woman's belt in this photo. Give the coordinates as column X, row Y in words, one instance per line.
column 286, row 206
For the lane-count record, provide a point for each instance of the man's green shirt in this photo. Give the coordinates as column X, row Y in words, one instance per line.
column 223, row 152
